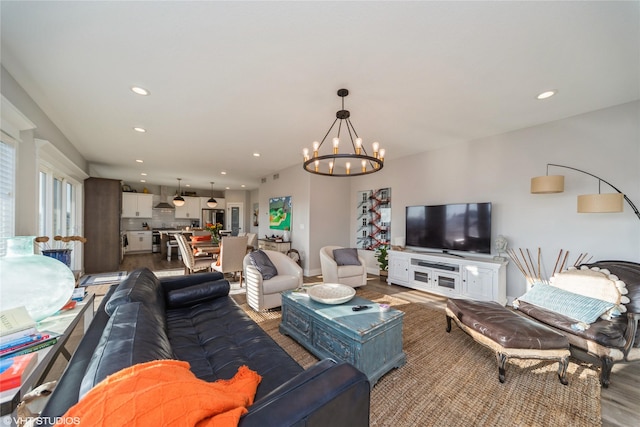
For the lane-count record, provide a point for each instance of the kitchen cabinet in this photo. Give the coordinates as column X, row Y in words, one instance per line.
column 190, row 209
column 139, row 241
column 135, row 205
column 203, row 203
column 102, row 201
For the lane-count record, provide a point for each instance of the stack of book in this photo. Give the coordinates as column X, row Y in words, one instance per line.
column 79, row 293
column 14, row 371
column 18, row 334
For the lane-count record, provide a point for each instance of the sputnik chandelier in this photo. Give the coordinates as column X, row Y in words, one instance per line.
column 336, row 163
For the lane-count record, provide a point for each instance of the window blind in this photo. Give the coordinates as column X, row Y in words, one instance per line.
column 7, row 191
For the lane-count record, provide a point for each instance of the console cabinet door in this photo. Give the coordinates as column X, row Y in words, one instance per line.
column 398, row 269
column 478, row 283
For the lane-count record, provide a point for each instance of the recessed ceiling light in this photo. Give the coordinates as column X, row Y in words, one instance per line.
column 140, row 161
column 227, row 188
column 547, row 94
column 256, row 154
column 223, row 173
column 187, row 185
column 140, row 90
column 141, row 130
column 143, row 180
column 143, row 174
column 242, row 186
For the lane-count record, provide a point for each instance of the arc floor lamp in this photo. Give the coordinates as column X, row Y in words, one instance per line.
column 587, row 203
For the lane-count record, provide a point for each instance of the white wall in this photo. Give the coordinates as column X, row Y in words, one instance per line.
column 28, row 154
column 320, row 212
column 290, row 182
column 498, row 169
column 329, row 217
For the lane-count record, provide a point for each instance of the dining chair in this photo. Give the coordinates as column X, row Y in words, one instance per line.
column 191, row 262
column 232, row 252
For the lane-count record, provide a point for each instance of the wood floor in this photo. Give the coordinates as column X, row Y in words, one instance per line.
column 620, row 402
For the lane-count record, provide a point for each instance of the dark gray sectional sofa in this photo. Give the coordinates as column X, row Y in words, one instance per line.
column 192, row 318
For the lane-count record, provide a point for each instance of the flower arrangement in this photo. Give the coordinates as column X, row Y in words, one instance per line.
column 214, row 229
column 59, row 242
column 381, row 254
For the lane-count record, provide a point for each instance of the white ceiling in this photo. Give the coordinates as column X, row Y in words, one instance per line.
column 231, row 78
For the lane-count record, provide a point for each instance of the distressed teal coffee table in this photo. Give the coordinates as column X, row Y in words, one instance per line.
column 370, row 340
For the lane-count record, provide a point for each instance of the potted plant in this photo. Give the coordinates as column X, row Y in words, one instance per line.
column 382, row 256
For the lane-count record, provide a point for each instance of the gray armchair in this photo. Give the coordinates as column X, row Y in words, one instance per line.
column 265, row 294
column 350, row 275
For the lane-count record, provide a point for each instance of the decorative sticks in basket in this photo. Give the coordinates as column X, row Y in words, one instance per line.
column 533, row 271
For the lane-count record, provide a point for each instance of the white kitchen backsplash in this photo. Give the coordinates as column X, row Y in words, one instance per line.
column 162, row 218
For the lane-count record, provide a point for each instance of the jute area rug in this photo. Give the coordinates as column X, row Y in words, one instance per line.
column 450, row 380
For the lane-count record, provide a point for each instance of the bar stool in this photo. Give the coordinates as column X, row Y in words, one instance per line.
column 173, row 244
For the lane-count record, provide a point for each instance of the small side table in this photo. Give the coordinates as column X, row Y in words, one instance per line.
column 271, row 245
column 62, row 323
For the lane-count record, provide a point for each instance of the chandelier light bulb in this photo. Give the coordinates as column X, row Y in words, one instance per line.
column 316, row 145
column 348, row 167
column 305, row 154
column 382, row 153
column 317, row 165
column 330, row 167
column 358, row 145
column 336, row 142
column 364, row 166
column 376, row 147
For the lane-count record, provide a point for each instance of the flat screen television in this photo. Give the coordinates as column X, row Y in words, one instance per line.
column 456, row 227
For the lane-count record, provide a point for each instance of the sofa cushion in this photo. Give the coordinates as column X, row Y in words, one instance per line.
column 261, row 261
column 280, row 283
column 579, row 307
column 217, row 337
column 608, row 333
column 595, row 283
column 132, row 335
column 629, row 272
column 140, row 286
column 346, row 256
column 196, row 294
column 349, row 271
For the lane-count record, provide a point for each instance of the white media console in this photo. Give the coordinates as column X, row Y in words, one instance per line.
column 448, row 275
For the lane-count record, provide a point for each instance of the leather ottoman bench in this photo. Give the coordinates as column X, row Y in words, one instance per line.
column 508, row 334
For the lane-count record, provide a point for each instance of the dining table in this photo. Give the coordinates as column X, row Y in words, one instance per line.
column 206, row 246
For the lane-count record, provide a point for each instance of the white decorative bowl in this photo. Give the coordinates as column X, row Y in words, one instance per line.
column 331, row 293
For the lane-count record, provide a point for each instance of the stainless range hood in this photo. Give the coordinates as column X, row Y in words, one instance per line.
column 163, row 204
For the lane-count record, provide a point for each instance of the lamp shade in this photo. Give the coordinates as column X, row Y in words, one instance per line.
column 547, row 184
column 212, row 203
column 178, row 201
column 600, row 203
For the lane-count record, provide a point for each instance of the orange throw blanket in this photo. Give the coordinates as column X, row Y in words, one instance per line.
column 164, row 393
